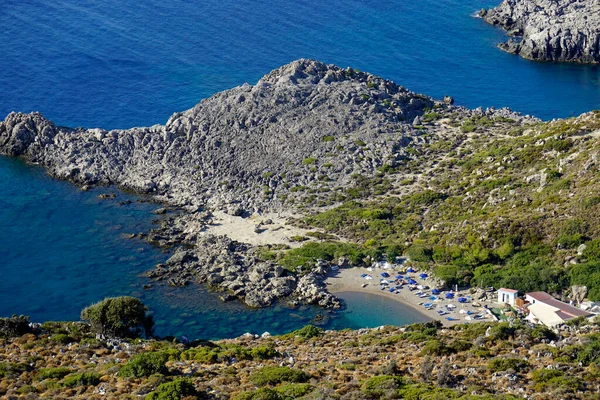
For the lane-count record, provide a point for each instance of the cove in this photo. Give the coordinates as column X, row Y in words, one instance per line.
column 62, row 249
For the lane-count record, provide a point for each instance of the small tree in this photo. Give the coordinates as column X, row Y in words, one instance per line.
column 426, row 369
column 14, row 326
column 444, row 377
column 119, row 317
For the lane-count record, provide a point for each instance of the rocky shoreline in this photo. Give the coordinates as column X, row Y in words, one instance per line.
column 236, row 270
column 300, row 139
column 565, row 31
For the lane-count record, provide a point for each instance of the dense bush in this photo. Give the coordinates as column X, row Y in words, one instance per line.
column 275, row 375
column 54, row 373
column 379, row 386
column 174, row 390
column 145, row 364
column 308, row 331
column 504, row 364
column 224, row 352
column 419, row 253
column 82, row 379
column 259, row 394
column 119, row 316
column 14, row 326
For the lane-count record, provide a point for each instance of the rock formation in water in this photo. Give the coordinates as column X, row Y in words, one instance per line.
column 550, row 30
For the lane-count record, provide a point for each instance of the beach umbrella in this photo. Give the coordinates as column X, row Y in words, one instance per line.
column 462, row 299
column 410, row 270
column 449, row 295
column 398, row 277
column 385, row 274
column 423, row 276
column 412, row 281
column 435, row 291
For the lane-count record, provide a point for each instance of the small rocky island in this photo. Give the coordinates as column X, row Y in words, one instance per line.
column 550, row 30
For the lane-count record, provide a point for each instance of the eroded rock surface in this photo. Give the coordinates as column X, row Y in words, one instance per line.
column 550, row 30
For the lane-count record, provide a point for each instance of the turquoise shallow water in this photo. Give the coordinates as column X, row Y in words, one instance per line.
column 62, row 249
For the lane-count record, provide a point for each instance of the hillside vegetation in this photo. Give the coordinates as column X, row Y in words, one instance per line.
column 418, row 362
column 503, row 204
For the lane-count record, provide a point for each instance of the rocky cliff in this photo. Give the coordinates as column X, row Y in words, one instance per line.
column 550, row 30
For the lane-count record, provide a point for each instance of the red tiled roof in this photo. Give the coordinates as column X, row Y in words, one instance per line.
column 508, row 290
column 541, row 296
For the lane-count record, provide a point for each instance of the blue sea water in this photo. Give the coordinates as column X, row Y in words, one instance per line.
column 118, row 64
column 62, row 249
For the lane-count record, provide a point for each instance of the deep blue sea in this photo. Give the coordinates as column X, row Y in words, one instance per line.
column 118, row 64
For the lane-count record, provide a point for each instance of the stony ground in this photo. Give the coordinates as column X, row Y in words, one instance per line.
column 417, row 362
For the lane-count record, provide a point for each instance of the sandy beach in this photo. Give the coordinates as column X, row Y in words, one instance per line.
column 277, row 231
column 350, row 280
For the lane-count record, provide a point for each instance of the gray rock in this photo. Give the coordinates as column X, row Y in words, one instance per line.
column 549, row 30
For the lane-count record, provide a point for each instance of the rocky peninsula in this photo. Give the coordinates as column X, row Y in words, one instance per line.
column 304, row 128
column 550, row 30
column 358, row 170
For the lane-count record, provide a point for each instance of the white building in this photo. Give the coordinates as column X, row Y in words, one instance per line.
column 507, row 296
column 545, row 309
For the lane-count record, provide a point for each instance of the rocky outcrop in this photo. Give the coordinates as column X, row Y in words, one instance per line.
column 240, row 150
column 236, row 268
column 550, row 30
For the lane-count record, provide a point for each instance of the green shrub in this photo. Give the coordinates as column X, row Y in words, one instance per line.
column 275, row 375
column 259, row 394
column 54, row 373
column 294, row 390
column 308, row 331
column 592, row 250
column 144, row 364
column 545, row 375
column 309, row 161
column 119, row 316
column 435, row 348
column 62, row 338
column 419, row 253
column 263, row 353
column 467, row 127
column 379, row 386
column 14, row 326
column 82, row 379
column 13, row 369
column 503, row 364
column 25, row 389
column 328, row 138
column 174, row 390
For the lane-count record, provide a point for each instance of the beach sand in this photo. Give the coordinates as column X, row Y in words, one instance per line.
column 243, row 229
column 350, row 280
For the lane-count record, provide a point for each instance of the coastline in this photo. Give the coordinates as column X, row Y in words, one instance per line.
column 350, row 280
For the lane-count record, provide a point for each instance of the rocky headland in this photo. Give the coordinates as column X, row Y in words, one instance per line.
column 294, row 141
column 363, row 170
column 549, row 30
